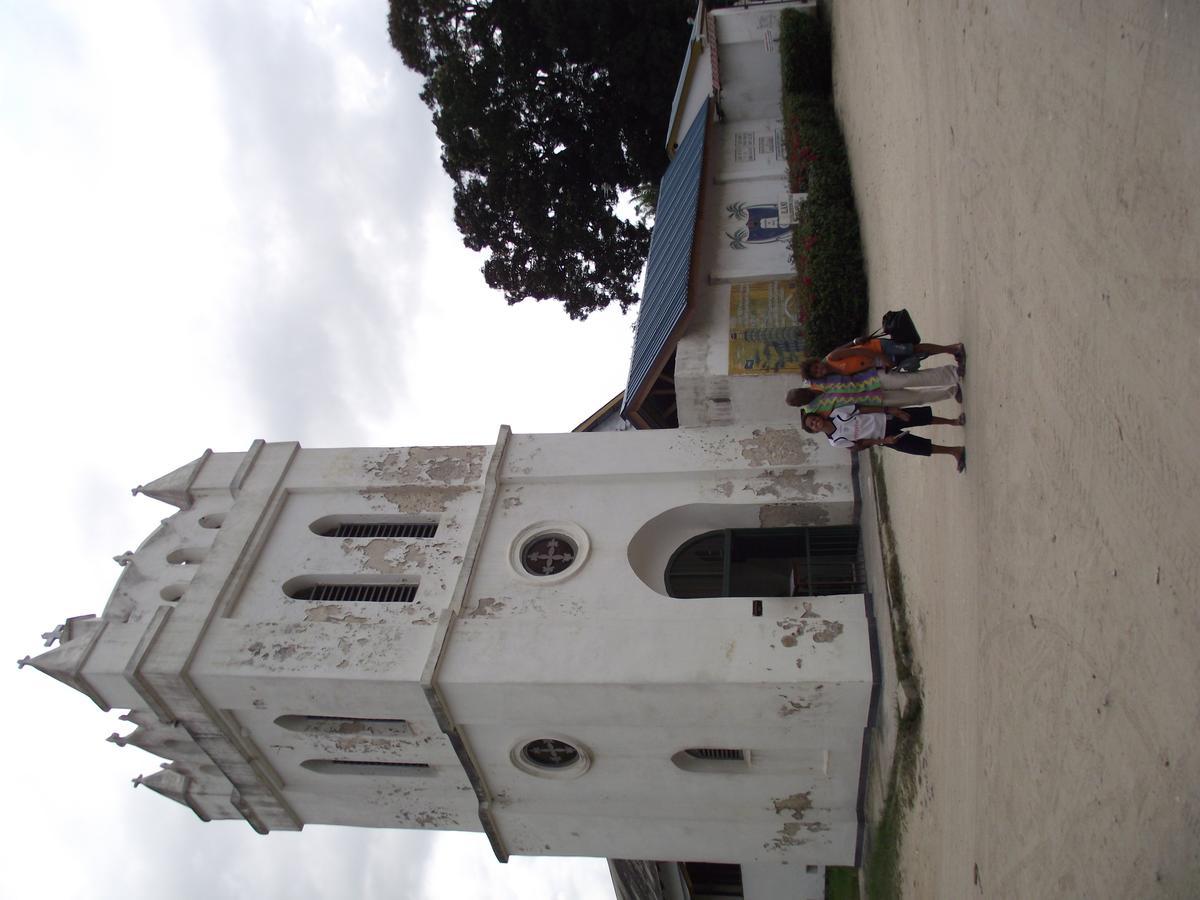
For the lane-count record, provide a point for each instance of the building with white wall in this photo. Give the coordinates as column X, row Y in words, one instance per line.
column 550, row 640
column 720, row 332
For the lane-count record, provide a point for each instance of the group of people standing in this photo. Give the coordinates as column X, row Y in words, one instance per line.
column 858, row 398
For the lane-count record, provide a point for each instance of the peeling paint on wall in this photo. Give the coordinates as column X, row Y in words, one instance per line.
column 385, row 555
column 331, row 613
column 444, row 464
column 823, row 633
column 416, row 499
column 789, row 836
column 796, row 804
column 485, row 607
column 792, row 515
column 829, row 632
column 775, row 447
column 786, row 483
column 791, row 707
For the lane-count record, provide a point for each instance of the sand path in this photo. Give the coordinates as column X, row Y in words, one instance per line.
column 1029, row 179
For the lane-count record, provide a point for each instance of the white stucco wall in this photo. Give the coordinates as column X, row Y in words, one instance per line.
column 606, row 661
column 600, row 657
column 708, row 392
column 748, row 170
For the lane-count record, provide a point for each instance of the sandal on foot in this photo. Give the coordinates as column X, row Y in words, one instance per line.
column 962, row 460
column 961, row 356
column 962, row 418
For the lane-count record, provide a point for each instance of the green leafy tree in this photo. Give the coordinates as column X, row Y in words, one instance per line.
column 546, row 109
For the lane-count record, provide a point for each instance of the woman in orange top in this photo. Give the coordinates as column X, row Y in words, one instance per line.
column 876, row 353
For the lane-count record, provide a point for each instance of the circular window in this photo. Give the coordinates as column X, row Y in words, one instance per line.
column 549, row 554
column 546, row 553
column 548, row 753
column 551, row 757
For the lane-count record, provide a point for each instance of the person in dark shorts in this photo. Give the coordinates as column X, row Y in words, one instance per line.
column 857, row 429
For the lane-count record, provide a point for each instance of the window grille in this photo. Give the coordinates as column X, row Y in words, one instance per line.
column 717, row 753
column 375, row 762
column 713, row 760
column 382, row 530
column 366, row 767
column 343, row 725
column 768, row 562
column 358, row 593
column 549, row 753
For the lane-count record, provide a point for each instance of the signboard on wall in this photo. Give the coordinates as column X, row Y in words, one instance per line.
column 766, row 332
column 760, row 143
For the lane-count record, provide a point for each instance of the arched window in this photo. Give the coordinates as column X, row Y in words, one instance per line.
column 172, row 592
column 712, row 759
column 186, row 556
column 375, row 526
column 767, row 562
column 343, row 725
column 318, row 590
column 366, row 767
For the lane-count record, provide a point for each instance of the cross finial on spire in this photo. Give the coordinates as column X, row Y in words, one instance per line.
column 53, row 635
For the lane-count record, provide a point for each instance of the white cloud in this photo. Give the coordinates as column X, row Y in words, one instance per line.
column 223, row 222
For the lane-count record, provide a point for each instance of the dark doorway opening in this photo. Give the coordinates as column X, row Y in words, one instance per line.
column 768, row 562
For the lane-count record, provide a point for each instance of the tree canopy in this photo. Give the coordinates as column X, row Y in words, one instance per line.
column 545, row 110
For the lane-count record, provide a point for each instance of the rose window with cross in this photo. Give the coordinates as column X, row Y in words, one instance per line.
column 548, row 753
column 548, row 555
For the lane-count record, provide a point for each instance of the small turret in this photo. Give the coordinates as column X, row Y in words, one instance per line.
column 175, row 487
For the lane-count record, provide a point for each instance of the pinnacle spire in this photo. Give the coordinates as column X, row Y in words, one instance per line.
column 175, row 487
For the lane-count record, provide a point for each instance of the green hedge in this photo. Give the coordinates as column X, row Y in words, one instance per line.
column 806, row 52
column 826, row 244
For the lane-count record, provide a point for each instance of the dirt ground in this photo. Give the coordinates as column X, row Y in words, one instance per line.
column 1029, row 180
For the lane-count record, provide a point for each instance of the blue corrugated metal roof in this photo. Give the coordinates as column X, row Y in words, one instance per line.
column 668, row 266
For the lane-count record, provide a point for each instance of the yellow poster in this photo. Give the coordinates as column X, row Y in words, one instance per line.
column 766, row 332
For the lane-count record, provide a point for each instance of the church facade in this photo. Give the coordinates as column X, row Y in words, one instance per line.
column 552, row 640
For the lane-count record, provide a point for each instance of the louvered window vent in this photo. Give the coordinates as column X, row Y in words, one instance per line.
column 366, row 767
column 358, row 593
column 717, row 753
column 342, row 725
column 384, row 530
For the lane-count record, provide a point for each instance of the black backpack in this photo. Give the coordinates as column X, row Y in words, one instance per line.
column 898, row 325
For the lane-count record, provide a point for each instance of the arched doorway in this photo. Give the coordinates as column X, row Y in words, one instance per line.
column 767, row 562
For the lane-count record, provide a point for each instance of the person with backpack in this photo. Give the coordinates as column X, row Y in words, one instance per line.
column 876, row 353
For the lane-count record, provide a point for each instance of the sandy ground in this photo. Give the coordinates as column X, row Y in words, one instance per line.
column 1029, row 179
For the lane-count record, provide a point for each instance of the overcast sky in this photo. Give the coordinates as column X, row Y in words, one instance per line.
column 222, row 221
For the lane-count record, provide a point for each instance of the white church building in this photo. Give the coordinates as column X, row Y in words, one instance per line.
column 649, row 644
column 551, row 640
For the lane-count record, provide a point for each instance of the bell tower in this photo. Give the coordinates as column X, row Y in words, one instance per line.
column 628, row 644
